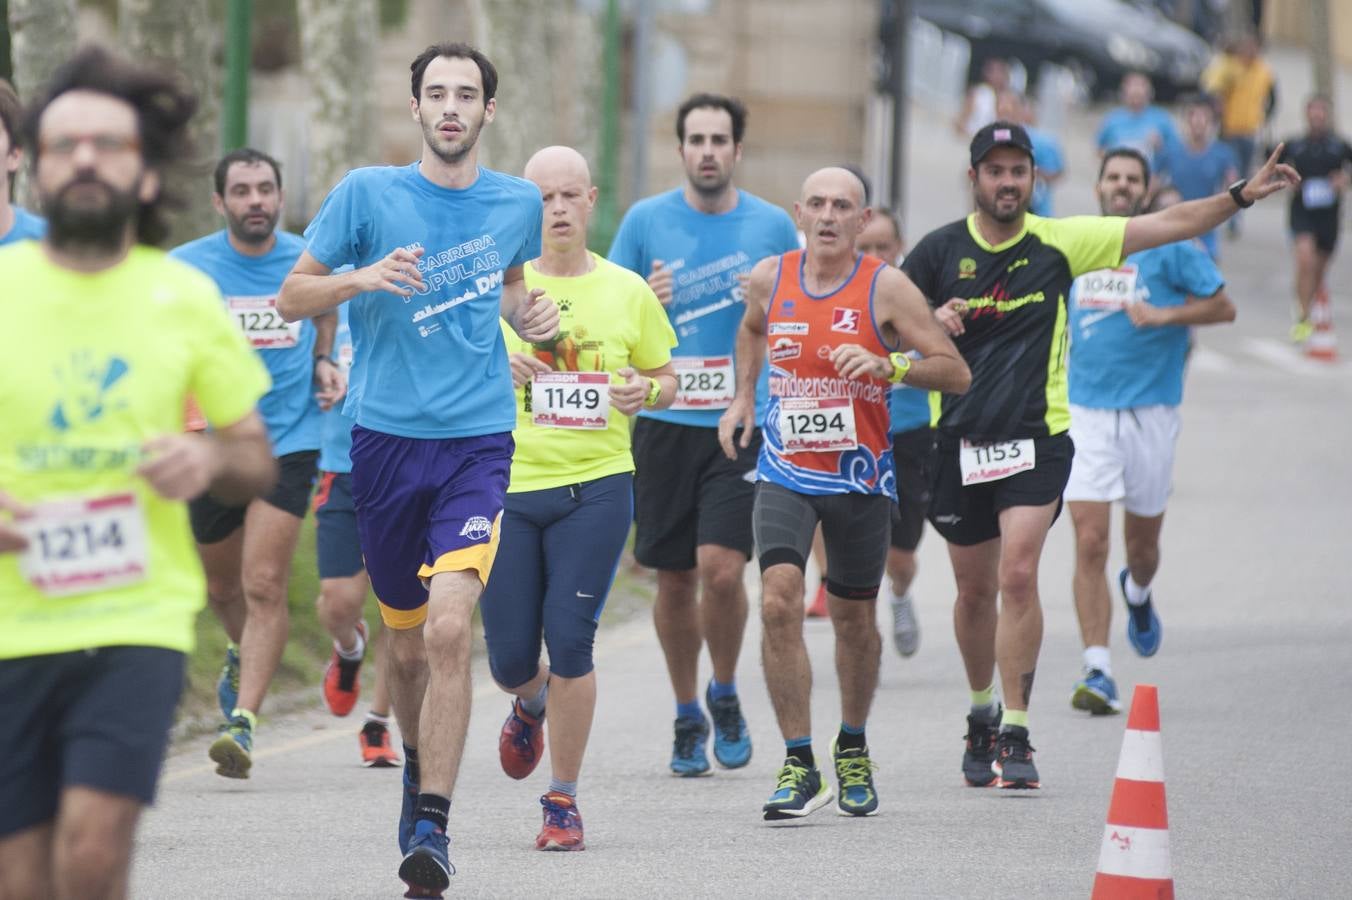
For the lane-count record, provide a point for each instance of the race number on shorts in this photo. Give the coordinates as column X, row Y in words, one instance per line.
column 982, row 462
column 1106, row 288
column 79, row 546
column 570, row 399
column 817, row 424
column 703, row 382
column 265, row 328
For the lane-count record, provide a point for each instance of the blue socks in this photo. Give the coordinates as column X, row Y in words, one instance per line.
column 689, row 710
column 718, row 690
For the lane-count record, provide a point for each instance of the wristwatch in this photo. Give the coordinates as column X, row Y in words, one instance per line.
column 654, row 393
column 901, row 364
column 1237, row 194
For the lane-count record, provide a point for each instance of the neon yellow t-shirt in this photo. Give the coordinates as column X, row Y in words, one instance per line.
column 608, row 319
column 95, row 365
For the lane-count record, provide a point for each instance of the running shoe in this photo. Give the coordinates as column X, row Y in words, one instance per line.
column 227, row 686
column 1014, row 764
column 979, row 756
column 818, row 608
column 905, row 628
column 732, row 743
column 407, row 809
column 376, row 752
column 1301, row 331
column 1143, row 626
column 427, row 868
column 521, row 742
column 688, row 758
column 341, row 684
column 1096, row 693
column 562, row 829
column 854, row 774
column 232, row 750
column 800, row 792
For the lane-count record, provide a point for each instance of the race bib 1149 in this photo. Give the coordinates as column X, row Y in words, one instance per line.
column 80, row 546
column 570, row 400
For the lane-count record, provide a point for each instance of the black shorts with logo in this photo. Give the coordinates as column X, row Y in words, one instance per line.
column 213, row 521
column 913, row 453
column 688, row 494
column 971, row 515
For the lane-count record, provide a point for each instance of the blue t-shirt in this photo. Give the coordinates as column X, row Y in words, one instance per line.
column 1150, row 131
column 335, row 447
column 431, row 365
column 1114, row 364
column 1047, row 158
column 27, row 226
column 908, row 407
column 250, row 285
column 1200, row 174
column 705, row 254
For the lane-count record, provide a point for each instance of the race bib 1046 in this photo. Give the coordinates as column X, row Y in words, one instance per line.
column 703, row 382
column 817, row 425
column 570, row 399
column 265, row 328
column 982, row 462
column 1106, row 288
column 80, row 546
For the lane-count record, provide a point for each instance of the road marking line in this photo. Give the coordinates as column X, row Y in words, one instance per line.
column 1286, row 357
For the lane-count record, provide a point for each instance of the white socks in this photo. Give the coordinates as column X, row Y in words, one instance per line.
column 1098, row 658
column 1136, row 594
column 356, row 653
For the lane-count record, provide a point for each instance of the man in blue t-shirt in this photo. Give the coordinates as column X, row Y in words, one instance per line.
column 1200, row 165
column 437, row 249
column 16, row 223
column 692, row 507
column 246, row 550
column 1130, row 336
column 1137, row 123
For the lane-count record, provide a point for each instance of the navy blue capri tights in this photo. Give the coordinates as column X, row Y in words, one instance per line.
column 556, row 561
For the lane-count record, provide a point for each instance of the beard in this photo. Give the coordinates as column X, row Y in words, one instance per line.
column 991, row 207
column 453, row 153
column 1134, row 209
column 246, row 233
column 100, row 228
column 707, row 188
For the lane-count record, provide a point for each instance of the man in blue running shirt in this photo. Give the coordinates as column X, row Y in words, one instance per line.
column 1137, row 123
column 16, row 223
column 692, row 507
column 437, row 249
column 246, row 549
column 1130, row 336
column 1199, row 165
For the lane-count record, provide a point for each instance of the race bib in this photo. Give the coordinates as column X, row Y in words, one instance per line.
column 703, row 382
column 80, row 546
column 995, row 460
column 570, row 400
column 1317, row 193
column 265, row 328
column 1107, row 288
column 817, row 425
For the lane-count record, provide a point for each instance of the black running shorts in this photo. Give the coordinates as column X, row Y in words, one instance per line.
column 971, row 515
column 854, row 529
column 213, row 521
column 913, row 453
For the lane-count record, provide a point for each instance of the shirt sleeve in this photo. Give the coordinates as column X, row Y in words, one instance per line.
column 1195, row 272
column 227, row 377
column 338, row 235
column 656, row 337
column 534, row 212
column 626, row 249
column 1088, row 242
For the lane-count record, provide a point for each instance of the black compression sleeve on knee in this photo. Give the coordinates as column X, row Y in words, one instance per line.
column 837, row 589
column 778, row 556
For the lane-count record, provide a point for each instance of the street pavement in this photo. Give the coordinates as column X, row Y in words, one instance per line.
column 1254, row 593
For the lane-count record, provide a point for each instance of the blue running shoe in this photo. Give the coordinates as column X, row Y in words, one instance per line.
column 233, row 749
column 732, row 744
column 1096, row 693
column 799, row 792
column 406, row 811
column 227, row 686
column 1143, row 626
column 854, row 772
column 688, row 758
column 427, row 868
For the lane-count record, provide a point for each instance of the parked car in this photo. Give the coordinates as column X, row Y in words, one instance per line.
column 1097, row 40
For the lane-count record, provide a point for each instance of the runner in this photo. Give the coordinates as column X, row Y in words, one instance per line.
column 1200, row 165
column 1322, row 157
column 1137, row 123
column 433, row 404
column 343, row 582
column 693, row 512
column 102, row 344
column 1051, row 167
column 16, row 223
column 1130, row 335
column 246, row 549
column 912, row 447
column 835, row 322
column 571, row 497
column 999, row 281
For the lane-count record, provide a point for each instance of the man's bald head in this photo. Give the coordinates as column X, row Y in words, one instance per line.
column 555, row 163
column 831, row 211
column 568, row 196
column 834, row 180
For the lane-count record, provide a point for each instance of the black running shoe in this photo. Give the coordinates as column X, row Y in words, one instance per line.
column 979, row 756
column 1014, row 764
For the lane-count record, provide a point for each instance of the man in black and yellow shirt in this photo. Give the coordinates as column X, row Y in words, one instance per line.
column 998, row 281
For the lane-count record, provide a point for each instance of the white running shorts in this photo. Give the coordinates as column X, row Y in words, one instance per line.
column 1124, row 454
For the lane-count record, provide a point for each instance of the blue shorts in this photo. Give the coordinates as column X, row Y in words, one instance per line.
column 97, row 718
column 560, row 547
column 426, row 507
column 337, row 547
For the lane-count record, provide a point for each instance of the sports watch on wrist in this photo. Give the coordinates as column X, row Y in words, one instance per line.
column 1237, row 193
column 901, row 364
column 654, row 393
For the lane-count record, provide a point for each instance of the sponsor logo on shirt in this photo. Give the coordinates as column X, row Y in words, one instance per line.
column 785, row 349
column 788, row 328
column 477, row 528
column 966, row 267
column 845, row 320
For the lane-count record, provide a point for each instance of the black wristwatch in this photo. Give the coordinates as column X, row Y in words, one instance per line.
column 323, row 357
column 1237, row 194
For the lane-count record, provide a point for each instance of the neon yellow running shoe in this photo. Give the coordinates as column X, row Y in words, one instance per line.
column 854, row 772
column 801, row 791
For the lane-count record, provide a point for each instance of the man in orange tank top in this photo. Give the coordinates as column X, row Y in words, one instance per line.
column 835, row 324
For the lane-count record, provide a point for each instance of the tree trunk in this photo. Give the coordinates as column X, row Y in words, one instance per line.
column 338, row 43
column 183, row 34
column 42, row 36
column 1321, row 47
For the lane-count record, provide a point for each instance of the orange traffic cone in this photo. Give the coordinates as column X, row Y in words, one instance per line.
column 1134, row 858
column 1323, row 344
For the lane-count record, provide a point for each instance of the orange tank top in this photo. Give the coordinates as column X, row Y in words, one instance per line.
column 825, row 434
